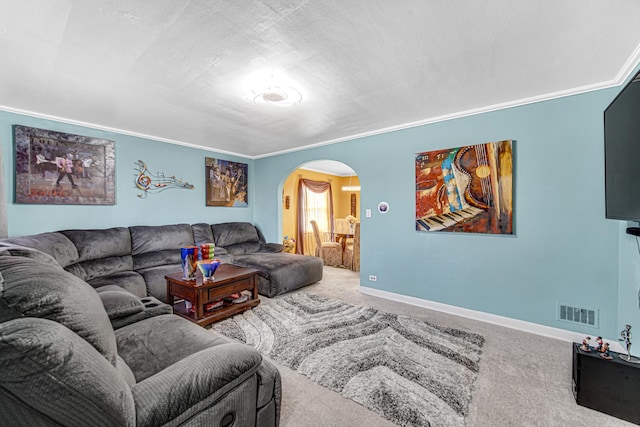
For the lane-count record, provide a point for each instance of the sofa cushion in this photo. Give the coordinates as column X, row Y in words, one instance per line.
column 157, row 238
column 231, row 233
column 202, row 233
column 272, row 247
column 154, row 278
column 140, row 343
column 55, row 244
column 10, row 249
column 98, row 244
column 155, row 258
column 92, row 269
column 51, row 373
column 32, row 289
column 244, row 248
column 128, row 280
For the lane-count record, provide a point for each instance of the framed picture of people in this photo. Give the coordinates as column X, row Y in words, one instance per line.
column 62, row 169
column 226, row 183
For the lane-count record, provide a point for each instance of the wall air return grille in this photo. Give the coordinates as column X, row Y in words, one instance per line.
column 580, row 315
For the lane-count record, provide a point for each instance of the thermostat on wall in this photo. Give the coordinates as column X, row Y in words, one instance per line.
column 383, row 207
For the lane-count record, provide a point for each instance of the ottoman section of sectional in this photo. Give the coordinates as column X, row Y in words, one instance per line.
column 280, row 273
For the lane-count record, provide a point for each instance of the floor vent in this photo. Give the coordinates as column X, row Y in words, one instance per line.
column 583, row 316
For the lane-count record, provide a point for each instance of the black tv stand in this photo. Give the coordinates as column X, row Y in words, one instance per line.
column 609, row 386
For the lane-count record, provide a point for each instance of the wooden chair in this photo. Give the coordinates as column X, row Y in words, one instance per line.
column 352, row 250
column 330, row 252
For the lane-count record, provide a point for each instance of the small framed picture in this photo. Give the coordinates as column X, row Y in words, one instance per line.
column 383, row 207
column 226, row 183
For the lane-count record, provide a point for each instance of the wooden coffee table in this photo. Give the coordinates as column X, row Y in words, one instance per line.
column 228, row 279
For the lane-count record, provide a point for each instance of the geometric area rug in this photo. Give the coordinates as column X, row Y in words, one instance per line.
column 409, row 371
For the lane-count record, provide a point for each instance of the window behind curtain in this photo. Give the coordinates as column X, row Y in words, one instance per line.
column 317, row 208
column 315, row 203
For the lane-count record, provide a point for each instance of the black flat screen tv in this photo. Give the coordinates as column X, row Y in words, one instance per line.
column 622, row 154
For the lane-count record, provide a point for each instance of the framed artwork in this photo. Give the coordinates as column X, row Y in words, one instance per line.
column 226, row 183
column 466, row 189
column 63, row 169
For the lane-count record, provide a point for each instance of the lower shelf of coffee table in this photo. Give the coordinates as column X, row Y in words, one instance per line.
column 216, row 314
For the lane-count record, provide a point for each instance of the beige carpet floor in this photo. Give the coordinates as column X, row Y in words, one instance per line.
column 524, row 379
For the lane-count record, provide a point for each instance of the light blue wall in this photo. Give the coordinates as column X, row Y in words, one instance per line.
column 168, row 207
column 629, row 306
column 629, row 277
column 563, row 250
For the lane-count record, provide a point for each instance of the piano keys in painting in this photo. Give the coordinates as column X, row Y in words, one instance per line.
column 466, row 189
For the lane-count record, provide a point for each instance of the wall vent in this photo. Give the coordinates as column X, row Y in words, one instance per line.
column 580, row 315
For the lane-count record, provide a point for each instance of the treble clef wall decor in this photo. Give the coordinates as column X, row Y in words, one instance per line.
column 154, row 183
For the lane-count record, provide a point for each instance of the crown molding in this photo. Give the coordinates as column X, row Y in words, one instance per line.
column 620, row 78
column 629, row 66
column 116, row 130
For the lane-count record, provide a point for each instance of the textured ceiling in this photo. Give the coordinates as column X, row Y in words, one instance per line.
column 175, row 70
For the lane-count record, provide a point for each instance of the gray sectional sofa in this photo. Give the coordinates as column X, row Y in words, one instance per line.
column 65, row 361
column 137, row 258
column 86, row 339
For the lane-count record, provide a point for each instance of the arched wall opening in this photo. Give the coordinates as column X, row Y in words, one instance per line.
column 345, row 187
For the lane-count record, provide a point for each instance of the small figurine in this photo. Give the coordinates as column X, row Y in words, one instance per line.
column 600, row 346
column 605, row 352
column 626, row 337
column 585, row 344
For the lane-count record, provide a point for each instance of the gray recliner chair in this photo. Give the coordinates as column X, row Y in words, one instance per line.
column 63, row 364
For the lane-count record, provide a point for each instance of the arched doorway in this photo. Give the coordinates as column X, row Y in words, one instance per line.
column 339, row 226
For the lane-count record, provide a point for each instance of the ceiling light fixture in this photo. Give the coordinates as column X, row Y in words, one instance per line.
column 271, row 88
column 282, row 96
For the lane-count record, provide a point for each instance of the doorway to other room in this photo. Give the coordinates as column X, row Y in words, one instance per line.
column 321, row 213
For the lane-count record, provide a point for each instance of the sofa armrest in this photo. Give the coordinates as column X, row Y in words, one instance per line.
column 193, row 384
column 271, row 247
column 269, row 391
column 119, row 304
column 152, row 307
column 124, row 308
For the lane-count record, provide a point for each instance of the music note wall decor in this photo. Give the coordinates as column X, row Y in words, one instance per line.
column 466, row 189
column 151, row 183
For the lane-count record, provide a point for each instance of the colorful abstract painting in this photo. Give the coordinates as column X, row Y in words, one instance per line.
column 227, row 183
column 466, row 189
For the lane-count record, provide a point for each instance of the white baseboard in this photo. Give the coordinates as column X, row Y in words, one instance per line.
column 521, row 325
